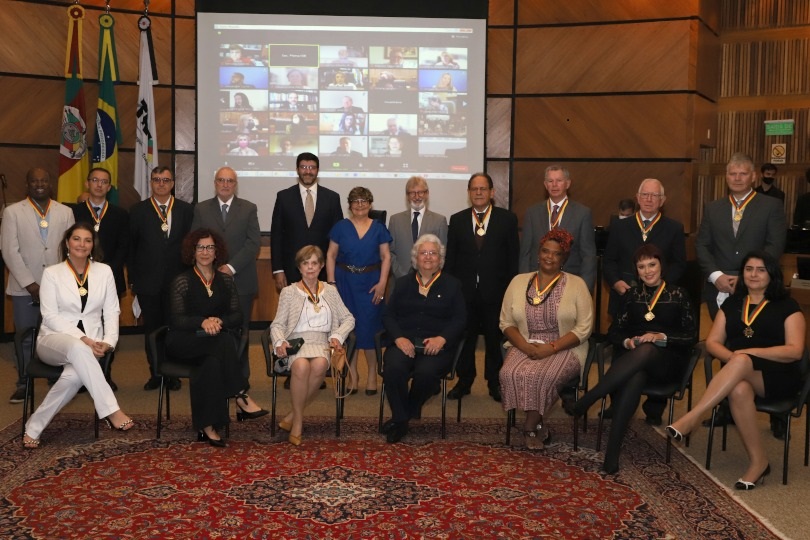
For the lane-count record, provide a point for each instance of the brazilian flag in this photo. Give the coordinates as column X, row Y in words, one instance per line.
column 108, row 132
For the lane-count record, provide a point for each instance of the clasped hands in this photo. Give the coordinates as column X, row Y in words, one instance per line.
column 649, row 337
column 433, row 346
column 538, row 351
column 99, row 347
column 212, row 326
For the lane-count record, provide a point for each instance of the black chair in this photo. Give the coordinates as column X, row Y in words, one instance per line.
column 672, row 391
column 379, row 215
column 37, row 369
column 785, row 409
column 379, row 339
column 270, row 360
column 167, row 368
column 575, row 385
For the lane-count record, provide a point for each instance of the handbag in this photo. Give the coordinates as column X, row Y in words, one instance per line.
column 337, row 366
column 282, row 365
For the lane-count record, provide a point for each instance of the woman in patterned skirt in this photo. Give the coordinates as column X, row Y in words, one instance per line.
column 547, row 318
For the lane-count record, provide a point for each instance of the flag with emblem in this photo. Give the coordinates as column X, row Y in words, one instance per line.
column 146, row 151
column 73, row 157
column 108, row 132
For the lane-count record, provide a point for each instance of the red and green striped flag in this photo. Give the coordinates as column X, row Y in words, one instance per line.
column 73, row 158
column 108, row 132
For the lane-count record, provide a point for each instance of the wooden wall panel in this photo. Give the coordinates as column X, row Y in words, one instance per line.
column 705, row 122
column 604, row 127
column 501, row 12
column 185, row 53
column 15, row 162
column 499, row 171
column 155, row 6
column 500, row 44
column 581, row 11
column 766, row 68
column 705, row 62
column 605, row 58
column 185, row 120
column 600, row 186
column 753, row 14
column 499, row 127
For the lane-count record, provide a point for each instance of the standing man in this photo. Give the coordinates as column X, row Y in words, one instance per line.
column 405, row 227
column 482, row 252
column 157, row 228
column 237, row 221
column 769, row 171
column 731, row 227
column 558, row 211
column 31, row 233
column 303, row 215
column 112, row 227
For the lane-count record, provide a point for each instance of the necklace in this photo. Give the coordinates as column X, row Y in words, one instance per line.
column 206, row 283
column 80, row 281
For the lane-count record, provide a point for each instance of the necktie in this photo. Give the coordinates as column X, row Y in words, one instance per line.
column 163, row 213
column 479, row 240
column 554, row 213
column 309, row 207
column 224, row 213
column 646, row 223
column 734, row 223
column 415, row 226
column 97, row 210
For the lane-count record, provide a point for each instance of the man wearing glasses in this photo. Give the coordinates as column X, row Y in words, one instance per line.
column 237, row 221
column 157, row 227
column 405, row 227
column 482, row 252
column 32, row 232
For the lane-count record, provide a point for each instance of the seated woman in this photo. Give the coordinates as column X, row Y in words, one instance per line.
column 79, row 306
column 547, row 317
column 652, row 338
column 313, row 310
column 759, row 337
column 205, row 320
column 425, row 318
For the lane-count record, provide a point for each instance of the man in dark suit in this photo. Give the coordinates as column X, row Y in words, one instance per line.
column 237, row 221
column 111, row 223
column 647, row 226
column 560, row 211
column 157, row 227
column 405, row 227
column 482, row 252
column 731, row 227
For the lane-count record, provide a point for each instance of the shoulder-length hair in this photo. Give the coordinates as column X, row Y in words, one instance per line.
column 190, row 246
column 776, row 288
column 96, row 253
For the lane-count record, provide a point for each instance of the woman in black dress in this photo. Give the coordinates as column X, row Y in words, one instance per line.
column 759, row 337
column 205, row 321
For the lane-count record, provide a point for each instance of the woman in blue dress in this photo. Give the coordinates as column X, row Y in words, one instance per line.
column 358, row 262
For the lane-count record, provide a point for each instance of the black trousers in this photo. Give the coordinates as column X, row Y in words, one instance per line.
column 482, row 318
column 426, row 371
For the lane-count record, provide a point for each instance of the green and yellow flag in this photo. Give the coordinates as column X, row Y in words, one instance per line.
column 73, row 158
column 108, row 132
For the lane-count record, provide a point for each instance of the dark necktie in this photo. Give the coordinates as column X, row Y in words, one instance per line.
column 646, row 223
column 479, row 239
column 163, row 213
column 415, row 226
column 97, row 210
column 224, row 212
column 554, row 213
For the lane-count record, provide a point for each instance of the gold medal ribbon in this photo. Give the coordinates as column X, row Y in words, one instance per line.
column 38, row 210
column 169, row 207
column 313, row 297
column 560, row 213
column 655, row 299
column 546, row 290
column 646, row 230
column 101, row 214
column 748, row 320
column 738, row 208
column 82, row 281
column 480, row 222
column 206, row 283
column 426, row 286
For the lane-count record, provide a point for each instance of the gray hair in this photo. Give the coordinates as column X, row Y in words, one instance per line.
column 740, row 159
column 551, row 168
column 424, row 239
column 656, row 180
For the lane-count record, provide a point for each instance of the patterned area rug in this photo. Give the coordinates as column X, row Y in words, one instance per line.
column 467, row 486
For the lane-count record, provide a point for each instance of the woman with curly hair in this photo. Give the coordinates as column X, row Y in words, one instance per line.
column 546, row 317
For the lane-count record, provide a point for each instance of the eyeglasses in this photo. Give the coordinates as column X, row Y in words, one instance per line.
column 308, row 167
column 649, row 195
column 428, row 253
column 360, row 202
column 417, row 193
column 228, row 181
column 209, row 247
column 96, row 180
column 164, row 180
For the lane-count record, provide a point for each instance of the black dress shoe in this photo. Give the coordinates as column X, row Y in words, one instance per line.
column 722, row 418
column 778, row 428
column 152, row 384
column 399, row 430
column 495, row 392
column 371, row 392
column 217, row 443
column 175, row 384
column 608, row 414
column 387, row 426
column 458, row 391
column 654, row 420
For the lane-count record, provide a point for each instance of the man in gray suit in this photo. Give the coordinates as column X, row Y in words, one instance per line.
column 31, row 233
column 407, row 226
column 237, row 221
column 561, row 212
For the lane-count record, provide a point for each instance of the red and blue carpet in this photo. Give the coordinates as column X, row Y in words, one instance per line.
column 468, row 486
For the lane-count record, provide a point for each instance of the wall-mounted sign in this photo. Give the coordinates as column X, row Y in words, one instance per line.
column 778, row 153
column 779, row 127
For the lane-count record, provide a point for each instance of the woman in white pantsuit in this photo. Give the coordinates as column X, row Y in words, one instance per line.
column 79, row 306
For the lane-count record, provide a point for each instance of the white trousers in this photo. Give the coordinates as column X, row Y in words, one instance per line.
column 80, row 368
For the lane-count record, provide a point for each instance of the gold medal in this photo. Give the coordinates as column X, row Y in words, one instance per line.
column 748, row 320
column 164, row 227
column 43, row 223
column 209, row 291
column 748, row 332
column 649, row 316
column 424, row 288
column 80, row 281
column 644, row 237
column 317, row 308
column 96, row 227
column 82, row 291
column 481, row 232
column 740, row 207
column 738, row 216
column 535, row 301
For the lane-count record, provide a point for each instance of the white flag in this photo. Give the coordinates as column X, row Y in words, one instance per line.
column 146, row 148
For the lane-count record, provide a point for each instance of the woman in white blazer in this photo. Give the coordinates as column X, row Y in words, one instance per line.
column 79, row 306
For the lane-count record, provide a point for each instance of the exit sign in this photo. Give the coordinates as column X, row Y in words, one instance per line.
column 779, row 127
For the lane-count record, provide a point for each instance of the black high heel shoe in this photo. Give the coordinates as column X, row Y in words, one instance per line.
column 202, row 436
column 242, row 415
column 674, row 434
column 742, row 485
